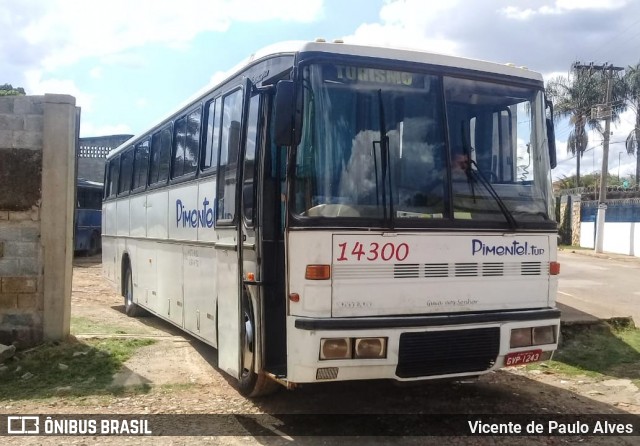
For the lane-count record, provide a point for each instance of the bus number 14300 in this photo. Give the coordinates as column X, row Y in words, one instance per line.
column 375, row 251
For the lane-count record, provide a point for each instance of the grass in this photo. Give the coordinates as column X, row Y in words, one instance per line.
column 179, row 387
column 600, row 351
column 70, row 368
column 85, row 325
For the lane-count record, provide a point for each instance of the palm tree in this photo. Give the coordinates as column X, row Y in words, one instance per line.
column 9, row 90
column 632, row 84
column 574, row 96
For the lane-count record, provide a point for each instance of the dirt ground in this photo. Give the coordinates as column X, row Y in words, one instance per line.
column 184, row 380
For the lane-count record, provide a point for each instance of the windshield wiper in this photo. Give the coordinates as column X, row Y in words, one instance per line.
column 385, row 162
column 476, row 175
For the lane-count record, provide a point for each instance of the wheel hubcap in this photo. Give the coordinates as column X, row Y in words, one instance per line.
column 247, row 346
column 129, row 290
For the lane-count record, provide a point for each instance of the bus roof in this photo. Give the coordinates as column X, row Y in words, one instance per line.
column 87, row 183
column 403, row 54
column 320, row 46
column 415, row 55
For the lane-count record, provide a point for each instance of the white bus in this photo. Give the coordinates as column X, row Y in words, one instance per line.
column 338, row 212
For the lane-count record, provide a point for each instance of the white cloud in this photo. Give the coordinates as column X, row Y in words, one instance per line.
column 560, row 7
column 73, row 29
column 96, row 72
column 408, row 24
column 590, row 4
column 544, row 35
column 400, row 37
column 513, row 12
column 141, row 102
column 36, row 85
column 40, row 36
column 218, row 77
column 48, row 34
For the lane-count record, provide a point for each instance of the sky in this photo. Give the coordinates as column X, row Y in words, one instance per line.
column 130, row 63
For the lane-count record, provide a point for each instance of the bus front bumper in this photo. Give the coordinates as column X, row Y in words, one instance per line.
column 411, row 348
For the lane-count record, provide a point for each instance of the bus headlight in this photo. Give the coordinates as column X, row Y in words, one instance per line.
column 335, row 348
column 544, row 335
column 526, row 337
column 520, row 337
column 370, row 348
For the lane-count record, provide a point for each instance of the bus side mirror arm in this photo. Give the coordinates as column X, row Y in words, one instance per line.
column 286, row 116
column 551, row 136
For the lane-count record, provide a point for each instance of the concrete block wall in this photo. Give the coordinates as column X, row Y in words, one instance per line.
column 93, row 153
column 37, row 165
column 575, row 221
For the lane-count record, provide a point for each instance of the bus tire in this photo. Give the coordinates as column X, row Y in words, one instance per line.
column 131, row 309
column 251, row 384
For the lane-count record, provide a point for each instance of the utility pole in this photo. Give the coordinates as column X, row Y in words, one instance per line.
column 602, row 112
column 619, row 153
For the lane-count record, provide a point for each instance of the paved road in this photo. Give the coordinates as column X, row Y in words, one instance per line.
column 598, row 286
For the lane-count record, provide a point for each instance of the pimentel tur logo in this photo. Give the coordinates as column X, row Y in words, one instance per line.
column 513, row 249
column 195, row 218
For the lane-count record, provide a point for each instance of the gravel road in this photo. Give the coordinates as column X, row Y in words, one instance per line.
column 184, row 380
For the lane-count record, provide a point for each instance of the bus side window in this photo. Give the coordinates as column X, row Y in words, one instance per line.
column 249, row 171
column 111, row 178
column 186, row 144
column 160, row 156
column 89, row 198
column 212, row 143
column 227, row 168
column 192, row 142
column 141, row 165
column 94, row 199
column 179, row 148
column 114, row 167
column 126, row 171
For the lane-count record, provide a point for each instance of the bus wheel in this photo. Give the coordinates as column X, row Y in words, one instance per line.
column 251, row 384
column 130, row 307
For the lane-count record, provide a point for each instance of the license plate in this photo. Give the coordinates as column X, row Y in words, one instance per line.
column 520, row 358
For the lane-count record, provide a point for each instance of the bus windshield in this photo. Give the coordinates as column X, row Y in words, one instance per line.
column 404, row 148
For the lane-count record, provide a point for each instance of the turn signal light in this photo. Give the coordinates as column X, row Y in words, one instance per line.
column 317, row 272
column 554, row 268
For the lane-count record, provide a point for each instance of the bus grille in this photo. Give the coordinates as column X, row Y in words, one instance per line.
column 439, row 270
column 446, row 352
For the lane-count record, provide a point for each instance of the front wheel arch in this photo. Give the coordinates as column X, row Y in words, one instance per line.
column 131, row 309
column 250, row 383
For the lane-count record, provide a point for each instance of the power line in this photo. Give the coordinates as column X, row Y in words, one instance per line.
column 615, row 36
column 573, row 156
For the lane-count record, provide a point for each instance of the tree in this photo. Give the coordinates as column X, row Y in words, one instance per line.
column 574, row 96
column 8, row 90
column 632, row 84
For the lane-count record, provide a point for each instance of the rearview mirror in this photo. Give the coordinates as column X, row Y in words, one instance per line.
column 551, row 136
column 285, row 112
column 551, row 140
